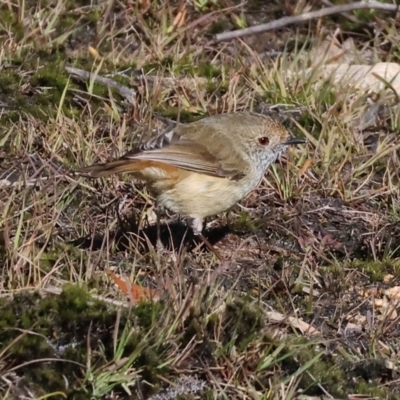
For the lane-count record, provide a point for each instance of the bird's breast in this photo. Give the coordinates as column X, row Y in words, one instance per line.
column 199, row 196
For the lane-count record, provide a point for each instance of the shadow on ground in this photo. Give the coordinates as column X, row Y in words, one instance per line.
column 175, row 235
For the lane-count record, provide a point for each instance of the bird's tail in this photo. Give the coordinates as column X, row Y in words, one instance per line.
column 110, row 168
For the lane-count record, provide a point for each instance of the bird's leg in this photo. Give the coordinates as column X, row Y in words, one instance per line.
column 159, row 244
column 197, row 226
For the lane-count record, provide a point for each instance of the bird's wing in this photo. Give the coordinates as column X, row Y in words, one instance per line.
column 206, row 146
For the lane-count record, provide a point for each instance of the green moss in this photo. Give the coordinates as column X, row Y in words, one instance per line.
column 368, row 377
column 64, row 322
column 242, row 322
column 148, row 313
column 220, row 26
column 94, row 16
column 324, row 371
column 186, row 65
column 9, row 82
column 42, row 90
column 216, row 88
column 207, row 70
column 43, row 324
column 246, row 224
column 8, row 19
column 51, row 75
column 376, row 270
column 330, row 372
column 68, row 21
column 365, row 388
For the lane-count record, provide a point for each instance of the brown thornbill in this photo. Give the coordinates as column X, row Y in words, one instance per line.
column 204, row 167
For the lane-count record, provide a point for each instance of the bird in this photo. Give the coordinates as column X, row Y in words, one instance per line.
column 205, row 167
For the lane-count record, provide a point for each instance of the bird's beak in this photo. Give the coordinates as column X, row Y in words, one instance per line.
column 292, row 140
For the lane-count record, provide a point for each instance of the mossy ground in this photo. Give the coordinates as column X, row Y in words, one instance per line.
column 314, row 247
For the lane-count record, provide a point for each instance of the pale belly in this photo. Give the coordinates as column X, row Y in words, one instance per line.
column 200, row 196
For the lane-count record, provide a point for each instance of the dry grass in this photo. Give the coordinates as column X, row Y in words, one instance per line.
column 316, row 245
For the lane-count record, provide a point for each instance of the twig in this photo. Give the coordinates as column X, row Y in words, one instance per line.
column 127, row 93
column 347, row 15
column 305, row 17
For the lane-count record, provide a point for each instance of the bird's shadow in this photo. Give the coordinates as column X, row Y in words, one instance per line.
column 173, row 235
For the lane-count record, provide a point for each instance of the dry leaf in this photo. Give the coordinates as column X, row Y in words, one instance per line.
column 179, row 20
column 393, row 293
column 137, row 292
column 359, row 319
column 331, row 50
column 94, row 52
column 350, row 327
column 371, row 291
column 387, row 278
column 388, row 312
column 379, row 303
column 303, row 326
column 304, row 168
column 364, row 77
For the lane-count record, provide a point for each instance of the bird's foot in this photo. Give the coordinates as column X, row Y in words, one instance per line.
column 210, row 246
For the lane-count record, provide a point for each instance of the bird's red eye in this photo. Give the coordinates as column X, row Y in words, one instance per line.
column 264, row 141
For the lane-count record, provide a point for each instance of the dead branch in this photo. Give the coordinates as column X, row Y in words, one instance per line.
column 305, row 17
column 127, row 93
